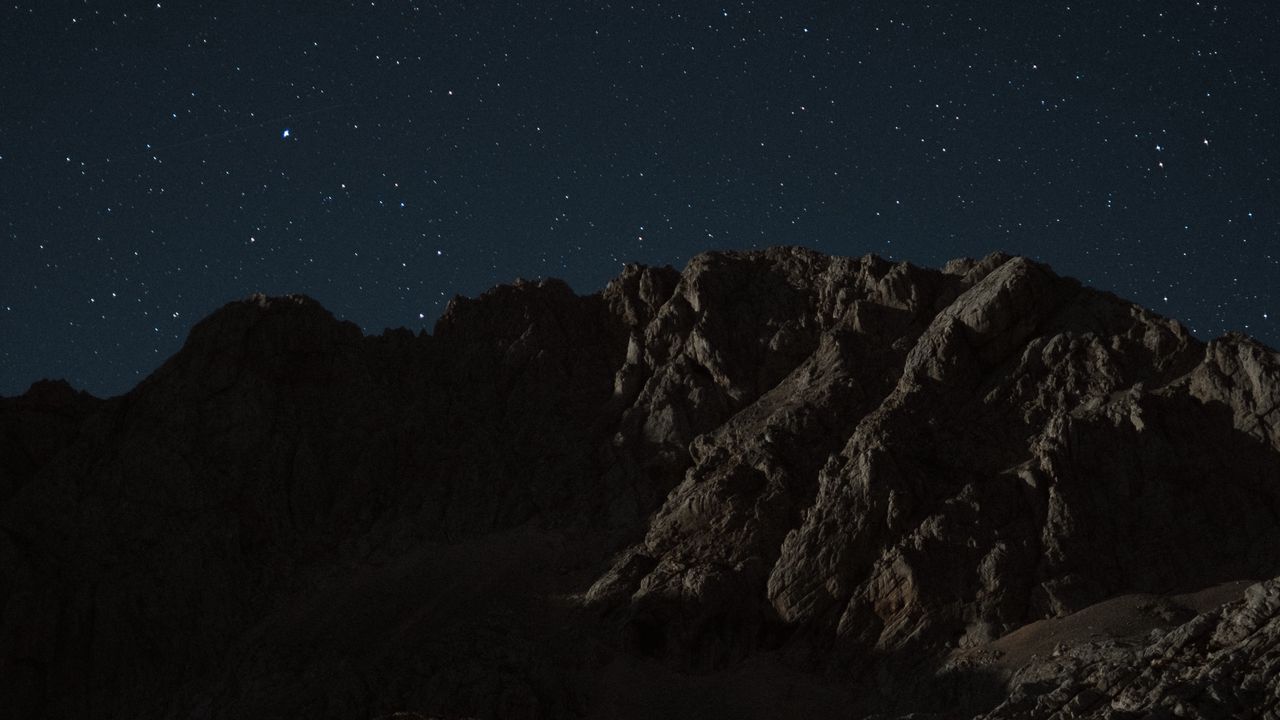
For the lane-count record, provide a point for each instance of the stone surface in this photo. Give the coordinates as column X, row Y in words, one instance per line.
column 1224, row 663
column 774, row 483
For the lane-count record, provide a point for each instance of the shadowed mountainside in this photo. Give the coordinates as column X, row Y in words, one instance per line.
column 774, row 484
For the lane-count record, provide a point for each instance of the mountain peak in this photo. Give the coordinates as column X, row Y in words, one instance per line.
column 772, row 483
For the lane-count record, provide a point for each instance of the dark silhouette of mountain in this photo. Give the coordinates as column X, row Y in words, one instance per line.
column 776, row 484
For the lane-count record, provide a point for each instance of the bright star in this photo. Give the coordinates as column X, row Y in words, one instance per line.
column 284, row 134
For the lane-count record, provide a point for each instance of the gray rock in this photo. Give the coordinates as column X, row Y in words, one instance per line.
column 775, row 483
column 1219, row 664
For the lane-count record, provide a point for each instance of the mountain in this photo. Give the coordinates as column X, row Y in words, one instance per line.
column 775, row 484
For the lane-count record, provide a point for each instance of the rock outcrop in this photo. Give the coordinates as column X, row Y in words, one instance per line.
column 1221, row 663
column 775, row 483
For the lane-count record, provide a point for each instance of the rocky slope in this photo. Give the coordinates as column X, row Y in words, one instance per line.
column 1218, row 664
column 773, row 484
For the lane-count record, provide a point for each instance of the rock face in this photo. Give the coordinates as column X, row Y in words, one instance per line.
column 774, row 484
column 1221, row 663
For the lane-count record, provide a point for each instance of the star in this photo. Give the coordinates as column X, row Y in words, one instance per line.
column 827, row 176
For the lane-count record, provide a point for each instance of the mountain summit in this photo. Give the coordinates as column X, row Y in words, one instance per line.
column 775, row 484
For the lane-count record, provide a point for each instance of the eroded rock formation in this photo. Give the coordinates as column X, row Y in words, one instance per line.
column 775, row 483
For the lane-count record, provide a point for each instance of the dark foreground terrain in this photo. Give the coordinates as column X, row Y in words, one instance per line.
column 776, row 484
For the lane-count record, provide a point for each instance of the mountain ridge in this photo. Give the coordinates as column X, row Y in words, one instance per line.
column 844, row 478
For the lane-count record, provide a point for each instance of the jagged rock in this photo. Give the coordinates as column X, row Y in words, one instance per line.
column 1224, row 663
column 775, row 483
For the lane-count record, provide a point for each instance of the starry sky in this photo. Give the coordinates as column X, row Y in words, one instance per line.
column 159, row 159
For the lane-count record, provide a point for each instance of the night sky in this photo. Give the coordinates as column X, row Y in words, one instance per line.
column 158, row 160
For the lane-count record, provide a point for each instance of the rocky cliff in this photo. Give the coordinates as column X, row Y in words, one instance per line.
column 773, row 484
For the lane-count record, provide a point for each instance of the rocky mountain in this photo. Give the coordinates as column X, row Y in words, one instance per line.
column 775, row 484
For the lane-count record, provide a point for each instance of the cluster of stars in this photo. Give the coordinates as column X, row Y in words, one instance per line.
column 387, row 156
